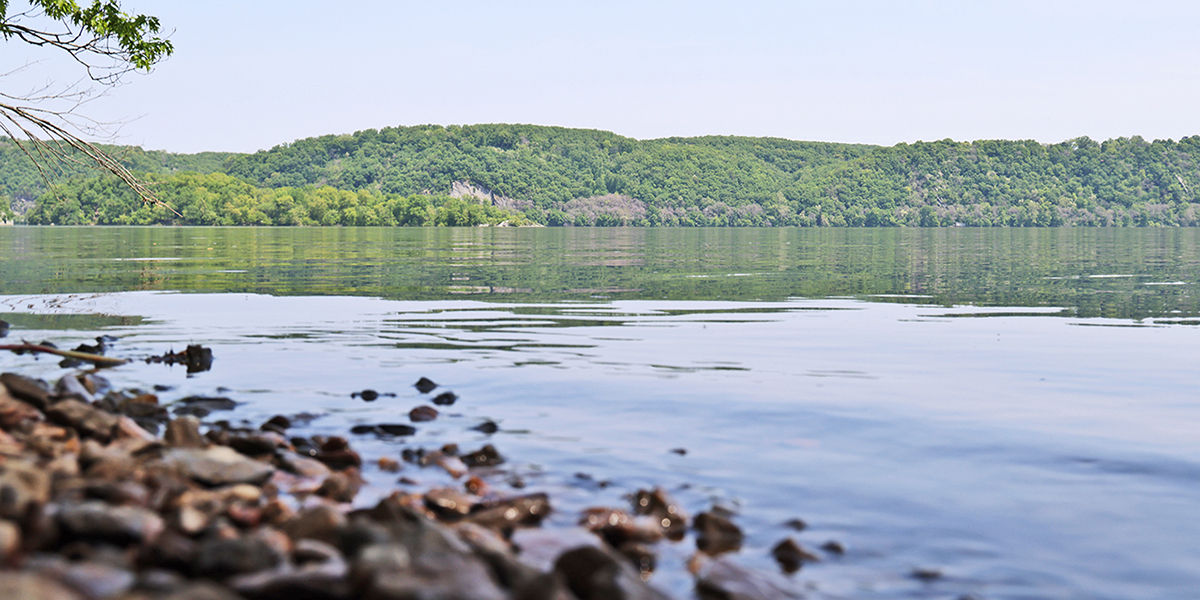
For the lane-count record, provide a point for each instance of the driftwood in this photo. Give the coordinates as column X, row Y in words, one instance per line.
column 95, row 359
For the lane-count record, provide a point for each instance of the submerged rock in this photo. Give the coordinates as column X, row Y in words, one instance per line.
column 791, row 556
column 424, row 385
column 445, row 398
column 716, row 534
column 487, row 456
column 202, row 406
column 423, row 413
column 657, row 504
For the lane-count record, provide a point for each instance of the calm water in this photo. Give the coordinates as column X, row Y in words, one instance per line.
column 1017, row 408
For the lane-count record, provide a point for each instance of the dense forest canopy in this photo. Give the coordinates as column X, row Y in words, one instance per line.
column 559, row 176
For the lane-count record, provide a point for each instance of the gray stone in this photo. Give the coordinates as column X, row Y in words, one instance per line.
column 84, row 418
column 723, row 579
column 112, row 524
column 32, row 391
column 217, row 466
column 184, row 432
column 34, row 586
column 594, row 573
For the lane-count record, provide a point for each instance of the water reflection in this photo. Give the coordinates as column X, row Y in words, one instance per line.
column 1093, row 272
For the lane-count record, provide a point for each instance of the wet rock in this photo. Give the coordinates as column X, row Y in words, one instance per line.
column 618, row 528
column 656, row 503
column 302, row 465
column 716, row 534
column 451, row 464
column 448, row 503
column 389, row 465
column 487, row 456
column 256, row 443
column 4, row 328
column 24, row 488
column 341, row 486
column 527, row 510
column 93, row 579
column 170, row 550
column 14, row 414
column 68, row 386
column 32, row 391
column 445, row 399
column 278, row 423
column 423, row 413
column 83, row 418
column 10, row 541
column 35, row 586
column 335, row 452
column 926, row 574
column 791, row 556
column 384, row 429
column 834, row 547
column 797, row 524
column 217, row 466
column 184, row 432
column 197, row 358
column 489, row 427
column 202, row 406
column 591, row 573
column 127, row 428
column 367, row 395
column 222, row 558
column 641, row 556
column 111, row 524
column 424, row 385
column 723, row 579
column 679, row 451
column 322, row 523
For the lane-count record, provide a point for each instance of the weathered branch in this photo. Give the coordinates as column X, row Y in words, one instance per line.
column 95, row 359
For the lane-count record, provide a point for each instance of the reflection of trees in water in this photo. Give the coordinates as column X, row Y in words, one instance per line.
column 1091, row 272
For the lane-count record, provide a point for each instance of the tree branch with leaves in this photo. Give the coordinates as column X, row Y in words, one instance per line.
column 107, row 43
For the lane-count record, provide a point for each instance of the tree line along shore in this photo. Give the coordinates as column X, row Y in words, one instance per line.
column 537, row 175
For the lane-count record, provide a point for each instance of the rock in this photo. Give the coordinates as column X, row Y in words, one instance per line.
column 256, row 443
column 423, row 413
column 203, row 590
column 197, row 358
column 448, row 503
column 797, row 524
column 34, row 586
column 308, row 551
column 10, row 541
column 15, row 414
column 184, row 432
column 321, row 523
column 424, row 385
column 834, row 547
column 335, row 452
column 487, row 456
column 723, row 579
column 926, row 573
column 368, row 395
column 655, row 503
column 222, row 558
column 325, row 581
column 68, row 386
column 618, row 528
column 489, row 427
column 32, row 391
column 791, row 556
column 4, row 328
column 451, row 464
column 121, row 525
column 538, row 548
column 278, row 423
column 302, row 466
column 341, row 486
column 171, row 550
column 217, row 466
column 445, row 398
column 716, row 534
column 511, row 512
column 84, row 418
column 384, row 429
column 93, row 579
column 641, row 556
column 592, row 573
column 388, row 464
column 202, row 406
column 24, row 488
column 127, row 428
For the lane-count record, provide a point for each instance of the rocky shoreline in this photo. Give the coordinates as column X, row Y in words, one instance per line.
column 109, row 493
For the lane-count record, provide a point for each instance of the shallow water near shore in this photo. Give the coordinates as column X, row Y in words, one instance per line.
column 1016, row 409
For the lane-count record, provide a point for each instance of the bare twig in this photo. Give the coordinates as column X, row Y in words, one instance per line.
column 95, row 359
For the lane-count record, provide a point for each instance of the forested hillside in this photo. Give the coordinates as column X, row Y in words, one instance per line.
column 558, row 176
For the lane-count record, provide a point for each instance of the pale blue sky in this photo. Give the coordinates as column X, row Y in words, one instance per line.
column 249, row 75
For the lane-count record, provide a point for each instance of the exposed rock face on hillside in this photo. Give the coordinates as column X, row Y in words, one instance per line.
column 465, row 189
column 609, row 209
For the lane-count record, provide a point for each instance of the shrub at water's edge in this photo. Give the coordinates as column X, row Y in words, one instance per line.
column 217, row 199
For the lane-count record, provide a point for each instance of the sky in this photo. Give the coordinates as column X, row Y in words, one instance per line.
column 247, row 76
